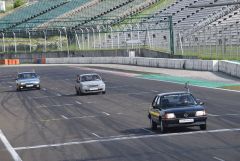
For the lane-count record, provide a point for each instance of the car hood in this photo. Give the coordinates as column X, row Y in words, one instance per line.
column 28, row 80
column 184, row 109
column 92, row 83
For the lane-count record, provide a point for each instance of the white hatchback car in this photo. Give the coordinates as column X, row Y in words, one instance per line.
column 89, row 83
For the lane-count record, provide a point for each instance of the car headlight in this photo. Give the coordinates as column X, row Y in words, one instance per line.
column 102, row 85
column 22, row 83
column 200, row 113
column 169, row 116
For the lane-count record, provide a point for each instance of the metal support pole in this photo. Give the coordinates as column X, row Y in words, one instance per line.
column 67, row 41
column 171, row 35
column 60, row 40
column 77, row 40
column 30, row 42
column 111, row 36
column 15, row 43
column 94, row 44
column 45, row 41
column 88, row 37
column 82, row 38
column 3, row 40
column 99, row 38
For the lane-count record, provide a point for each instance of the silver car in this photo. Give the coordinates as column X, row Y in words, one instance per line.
column 89, row 83
column 27, row 80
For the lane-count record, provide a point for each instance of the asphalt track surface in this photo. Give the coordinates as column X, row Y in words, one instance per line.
column 53, row 124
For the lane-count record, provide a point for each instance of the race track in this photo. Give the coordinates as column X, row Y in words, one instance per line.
column 54, row 124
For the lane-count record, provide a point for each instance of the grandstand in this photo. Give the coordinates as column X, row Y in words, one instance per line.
column 112, row 24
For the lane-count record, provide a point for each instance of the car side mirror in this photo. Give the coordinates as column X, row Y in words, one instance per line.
column 199, row 102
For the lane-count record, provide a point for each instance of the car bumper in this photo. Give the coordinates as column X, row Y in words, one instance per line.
column 93, row 90
column 176, row 122
column 29, row 86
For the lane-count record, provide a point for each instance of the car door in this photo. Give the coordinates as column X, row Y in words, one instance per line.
column 155, row 112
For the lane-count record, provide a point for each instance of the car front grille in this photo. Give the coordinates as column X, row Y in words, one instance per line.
column 92, row 86
column 185, row 114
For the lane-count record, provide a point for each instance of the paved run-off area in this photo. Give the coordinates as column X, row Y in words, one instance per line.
column 54, row 124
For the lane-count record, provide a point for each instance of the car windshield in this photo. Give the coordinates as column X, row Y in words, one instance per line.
column 27, row 75
column 86, row 78
column 177, row 100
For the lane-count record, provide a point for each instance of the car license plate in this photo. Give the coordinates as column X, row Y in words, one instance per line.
column 186, row 120
column 29, row 85
column 93, row 89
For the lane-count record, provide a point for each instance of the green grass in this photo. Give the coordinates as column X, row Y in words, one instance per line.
column 215, row 52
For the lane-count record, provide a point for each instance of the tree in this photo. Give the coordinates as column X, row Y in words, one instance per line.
column 18, row 3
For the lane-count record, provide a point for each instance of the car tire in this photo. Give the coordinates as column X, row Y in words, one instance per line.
column 77, row 92
column 38, row 88
column 203, row 127
column 18, row 88
column 163, row 128
column 103, row 92
column 153, row 124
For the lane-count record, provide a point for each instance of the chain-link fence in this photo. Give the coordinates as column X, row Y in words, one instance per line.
column 219, row 40
column 138, row 32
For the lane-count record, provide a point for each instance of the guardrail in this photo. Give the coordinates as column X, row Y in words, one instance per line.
column 228, row 67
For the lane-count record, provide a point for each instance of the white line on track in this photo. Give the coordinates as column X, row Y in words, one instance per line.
column 9, row 147
column 77, row 102
column 58, row 94
column 228, row 114
column 96, row 135
column 64, row 117
column 125, row 138
column 106, row 113
column 219, row 159
column 69, row 118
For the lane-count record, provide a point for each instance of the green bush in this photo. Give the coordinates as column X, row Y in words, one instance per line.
column 18, row 3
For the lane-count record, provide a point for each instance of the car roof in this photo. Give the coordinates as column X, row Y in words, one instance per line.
column 88, row 74
column 26, row 72
column 172, row 93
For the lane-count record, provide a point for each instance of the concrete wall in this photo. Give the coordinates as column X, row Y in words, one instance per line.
column 230, row 68
column 204, row 65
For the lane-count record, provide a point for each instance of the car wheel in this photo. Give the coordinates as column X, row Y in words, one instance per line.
column 153, row 124
column 18, row 88
column 163, row 128
column 103, row 92
column 77, row 92
column 203, row 127
column 38, row 88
